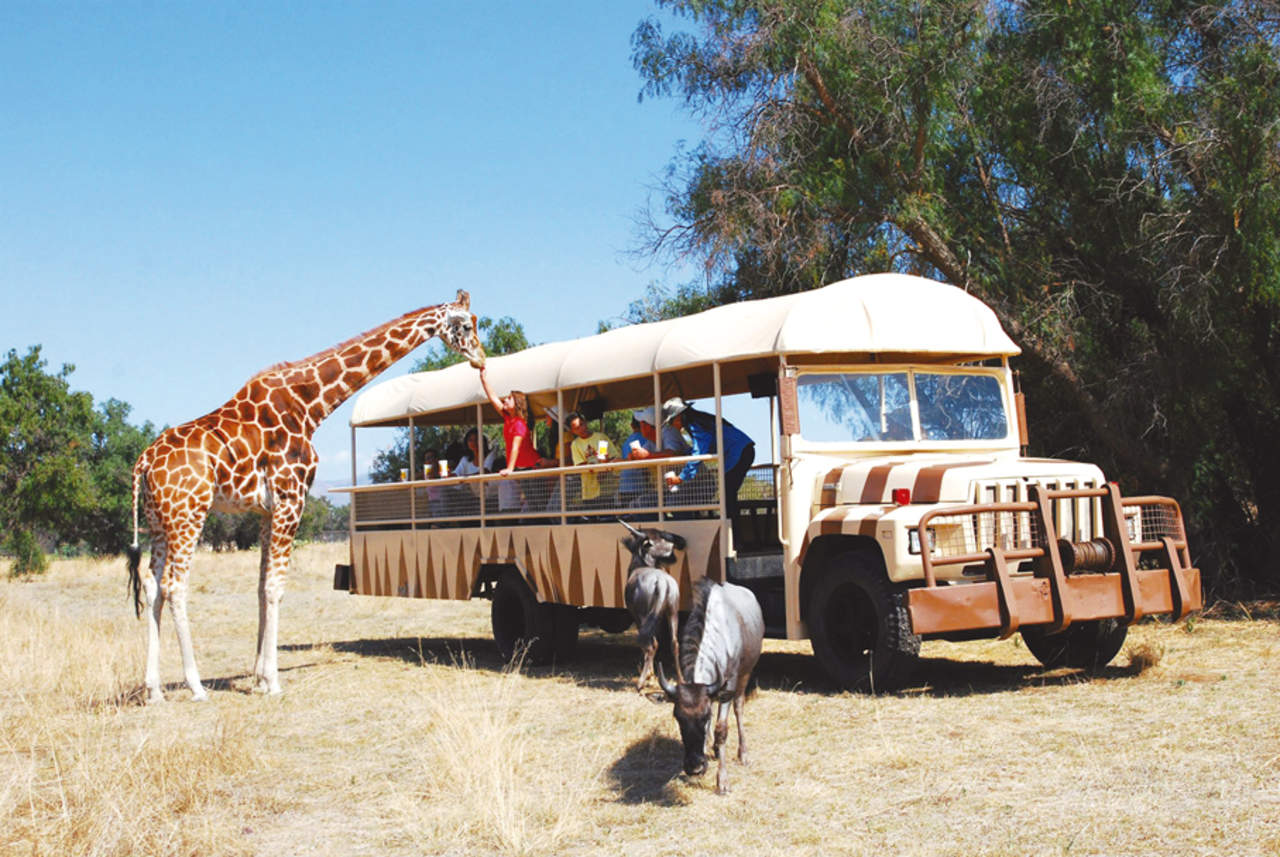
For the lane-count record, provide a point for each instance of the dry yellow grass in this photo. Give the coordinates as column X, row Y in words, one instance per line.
column 399, row 733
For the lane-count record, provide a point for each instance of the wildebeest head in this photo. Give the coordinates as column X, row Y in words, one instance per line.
column 653, row 547
column 692, row 711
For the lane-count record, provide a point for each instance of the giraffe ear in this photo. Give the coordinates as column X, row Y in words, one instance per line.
column 463, row 300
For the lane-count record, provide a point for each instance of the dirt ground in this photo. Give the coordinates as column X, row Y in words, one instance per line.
column 399, row 733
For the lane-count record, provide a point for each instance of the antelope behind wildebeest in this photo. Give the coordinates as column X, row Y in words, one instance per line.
column 718, row 650
column 652, row 595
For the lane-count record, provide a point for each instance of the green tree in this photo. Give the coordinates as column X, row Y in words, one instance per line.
column 1103, row 175
column 232, row 530
column 107, row 527
column 320, row 516
column 46, row 485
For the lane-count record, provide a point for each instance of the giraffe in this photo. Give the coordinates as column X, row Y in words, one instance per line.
column 255, row 453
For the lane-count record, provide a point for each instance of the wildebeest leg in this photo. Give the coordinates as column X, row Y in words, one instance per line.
column 722, row 732
column 674, row 618
column 742, row 738
column 646, row 664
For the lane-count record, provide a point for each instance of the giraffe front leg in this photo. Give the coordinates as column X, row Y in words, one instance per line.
column 271, row 581
column 266, row 678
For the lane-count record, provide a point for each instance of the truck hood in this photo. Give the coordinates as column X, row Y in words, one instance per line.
column 944, row 478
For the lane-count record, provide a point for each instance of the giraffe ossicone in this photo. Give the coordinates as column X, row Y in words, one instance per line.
column 255, row 453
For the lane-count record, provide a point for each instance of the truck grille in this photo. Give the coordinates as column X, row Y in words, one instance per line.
column 1078, row 519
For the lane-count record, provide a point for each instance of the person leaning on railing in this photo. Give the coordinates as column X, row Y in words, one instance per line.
column 516, row 437
column 635, row 485
column 591, row 448
column 514, row 408
column 672, row 443
column 739, row 449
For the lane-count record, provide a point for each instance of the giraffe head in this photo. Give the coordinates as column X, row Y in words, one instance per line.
column 459, row 331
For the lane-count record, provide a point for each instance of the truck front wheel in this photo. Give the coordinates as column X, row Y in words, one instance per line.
column 859, row 627
column 1084, row 645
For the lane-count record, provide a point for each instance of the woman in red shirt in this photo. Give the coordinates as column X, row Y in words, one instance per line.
column 514, row 408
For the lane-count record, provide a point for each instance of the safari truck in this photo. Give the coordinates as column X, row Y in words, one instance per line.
column 889, row 501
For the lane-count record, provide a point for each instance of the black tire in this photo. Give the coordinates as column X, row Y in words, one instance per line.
column 542, row 632
column 1084, row 645
column 520, row 623
column 859, row 626
column 565, row 631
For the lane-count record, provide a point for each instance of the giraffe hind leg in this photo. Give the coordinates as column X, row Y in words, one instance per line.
column 175, row 589
column 155, row 609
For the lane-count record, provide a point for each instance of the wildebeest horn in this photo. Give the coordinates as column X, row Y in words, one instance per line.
column 667, row 687
column 715, row 686
column 633, row 530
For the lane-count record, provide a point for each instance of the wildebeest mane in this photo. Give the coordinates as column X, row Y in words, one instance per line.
column 691, row 639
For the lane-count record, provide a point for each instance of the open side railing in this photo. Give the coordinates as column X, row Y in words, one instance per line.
column 552, row 495
column 1067, row 581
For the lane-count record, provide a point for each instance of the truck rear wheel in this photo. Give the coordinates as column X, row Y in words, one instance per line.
column 859, row 627
column 1084, row 645
column 542, row 632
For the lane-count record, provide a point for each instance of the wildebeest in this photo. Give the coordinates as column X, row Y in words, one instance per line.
column 718, row 650
column 652, row 594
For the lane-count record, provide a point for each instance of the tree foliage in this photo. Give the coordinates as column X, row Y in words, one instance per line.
column 1103, row 175
column 64, row 465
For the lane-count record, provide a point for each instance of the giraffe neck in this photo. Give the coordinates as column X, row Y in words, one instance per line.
column 314, row 386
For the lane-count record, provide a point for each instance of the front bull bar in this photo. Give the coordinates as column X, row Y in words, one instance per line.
column 1068, row 582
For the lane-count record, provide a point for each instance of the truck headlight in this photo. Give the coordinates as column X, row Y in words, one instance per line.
column 913, row 539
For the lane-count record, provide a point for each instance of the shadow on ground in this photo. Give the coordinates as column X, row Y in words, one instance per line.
column 646, row 771
column 610, row 662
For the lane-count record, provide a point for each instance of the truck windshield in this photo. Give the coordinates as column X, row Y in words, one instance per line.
column 876, row 406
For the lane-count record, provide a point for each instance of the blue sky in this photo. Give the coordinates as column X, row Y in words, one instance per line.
column 190, row 192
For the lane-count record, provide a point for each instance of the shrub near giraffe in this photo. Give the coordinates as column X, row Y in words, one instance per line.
column 255, row 453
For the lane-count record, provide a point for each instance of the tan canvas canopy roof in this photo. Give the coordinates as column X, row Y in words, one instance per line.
column 887, row 317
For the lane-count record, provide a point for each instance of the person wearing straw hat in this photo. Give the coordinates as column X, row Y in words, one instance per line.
column 739, row 449
column 672, row 442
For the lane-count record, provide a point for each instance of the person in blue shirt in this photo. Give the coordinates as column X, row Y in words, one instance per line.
column 739, row 449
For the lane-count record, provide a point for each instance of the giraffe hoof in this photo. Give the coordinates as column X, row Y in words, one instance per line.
column 200, row 696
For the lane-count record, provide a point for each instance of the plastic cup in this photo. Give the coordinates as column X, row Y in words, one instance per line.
column 602, row 449
column 404, row 474
column 444, row 468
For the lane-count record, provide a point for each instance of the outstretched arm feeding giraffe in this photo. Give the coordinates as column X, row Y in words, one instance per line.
column 255, row 453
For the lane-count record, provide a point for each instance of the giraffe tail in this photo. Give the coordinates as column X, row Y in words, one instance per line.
column 134, row 552
column 135, row 580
